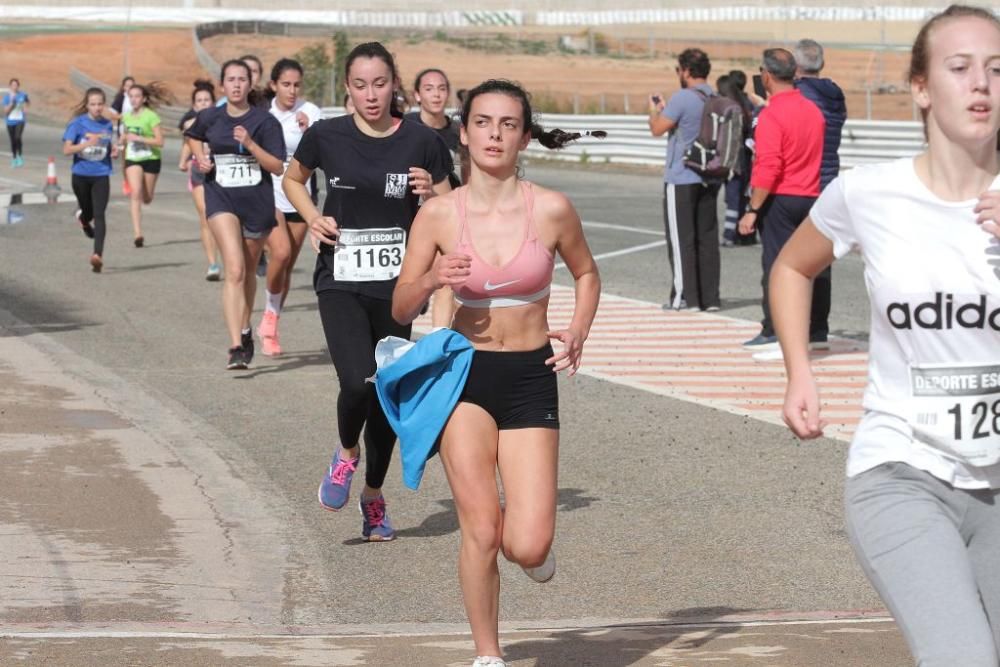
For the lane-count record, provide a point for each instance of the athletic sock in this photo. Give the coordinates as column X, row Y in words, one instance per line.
column 245, row 332
column 273, row 303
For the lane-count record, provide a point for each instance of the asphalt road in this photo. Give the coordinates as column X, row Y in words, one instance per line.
column 669, row 510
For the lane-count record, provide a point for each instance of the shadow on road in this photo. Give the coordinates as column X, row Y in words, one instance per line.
column 306, row 307
column 440, row 523
column 144, row 267
column 174, row 242
column 445, row 522
column 733, row 304
column 286, row 362
column 41, row 314
column 623, row 645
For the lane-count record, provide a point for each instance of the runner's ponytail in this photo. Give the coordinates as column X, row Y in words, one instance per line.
column 156, row 94
column 553, row 139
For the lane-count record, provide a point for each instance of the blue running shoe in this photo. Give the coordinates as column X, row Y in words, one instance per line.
column 375, row 526
column 335, row 488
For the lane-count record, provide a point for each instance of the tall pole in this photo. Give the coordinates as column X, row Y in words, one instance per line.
column 128, row 30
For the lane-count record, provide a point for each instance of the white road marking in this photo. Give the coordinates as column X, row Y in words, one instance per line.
column 405, row 631
column 623, row 251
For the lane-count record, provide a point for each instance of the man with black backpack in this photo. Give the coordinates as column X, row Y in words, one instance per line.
column 692, row 177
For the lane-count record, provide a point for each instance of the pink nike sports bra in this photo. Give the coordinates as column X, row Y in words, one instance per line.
column 524, row 279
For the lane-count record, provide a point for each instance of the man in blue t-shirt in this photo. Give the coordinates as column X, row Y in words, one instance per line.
column 689, row 203
column 14, row 104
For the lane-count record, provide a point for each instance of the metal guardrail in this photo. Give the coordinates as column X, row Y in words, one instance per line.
column 204, row 57
column 629, row 141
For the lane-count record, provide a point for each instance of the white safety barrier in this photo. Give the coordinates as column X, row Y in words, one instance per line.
column 188, row 16
column 734, row 13
column 443, row 19
column 629, row 141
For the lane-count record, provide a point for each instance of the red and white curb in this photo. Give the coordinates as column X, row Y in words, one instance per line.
column 699, row 357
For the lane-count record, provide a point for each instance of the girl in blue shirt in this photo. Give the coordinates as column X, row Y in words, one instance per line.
column 89, row 138
column 14, row 104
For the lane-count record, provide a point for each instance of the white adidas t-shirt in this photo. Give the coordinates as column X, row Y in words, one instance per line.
column 293, row 134
column 933, row 279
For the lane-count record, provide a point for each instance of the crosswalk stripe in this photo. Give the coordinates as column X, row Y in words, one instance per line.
column 700, row 358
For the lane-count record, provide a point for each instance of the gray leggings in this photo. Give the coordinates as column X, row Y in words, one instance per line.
column 933, row 554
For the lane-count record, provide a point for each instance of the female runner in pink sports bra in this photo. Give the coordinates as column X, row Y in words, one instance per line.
column 493, row 242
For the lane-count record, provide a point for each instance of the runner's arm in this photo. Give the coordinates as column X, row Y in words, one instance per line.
column 265, row 159
column 197, row 148
column 571, row 244
column 425, row 267
column 156, row 139
column 70, row 148
column 294, row 184
column 322, row 228
column 802, row 258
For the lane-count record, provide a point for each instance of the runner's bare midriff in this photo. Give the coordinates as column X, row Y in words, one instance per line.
column 515, row 329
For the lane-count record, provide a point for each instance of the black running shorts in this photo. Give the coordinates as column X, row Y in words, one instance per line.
column 517, row 389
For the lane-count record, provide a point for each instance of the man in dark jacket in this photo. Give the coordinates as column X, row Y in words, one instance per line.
column 828, row 96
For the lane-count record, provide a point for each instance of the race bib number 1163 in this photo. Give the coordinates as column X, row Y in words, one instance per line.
column 364, row 255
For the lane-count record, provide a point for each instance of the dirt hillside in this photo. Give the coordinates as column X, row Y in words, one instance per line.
column 43, row 62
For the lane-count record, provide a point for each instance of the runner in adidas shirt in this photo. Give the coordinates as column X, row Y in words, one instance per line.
column 283, row 245
column 143, row 139
column 376, row 166
column 202, row 97
column 494, row 242
column 90, row 139
column 922, row 497
column 245, row 147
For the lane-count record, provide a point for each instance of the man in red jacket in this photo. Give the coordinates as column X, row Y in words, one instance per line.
column 784, row 184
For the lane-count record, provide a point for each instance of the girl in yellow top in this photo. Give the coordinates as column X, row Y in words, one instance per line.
column 143, row 140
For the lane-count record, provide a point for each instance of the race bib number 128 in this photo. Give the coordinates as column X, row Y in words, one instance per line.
column 957, row 409
column 364, row 255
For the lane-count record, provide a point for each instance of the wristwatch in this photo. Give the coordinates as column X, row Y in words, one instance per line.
column 751, row 209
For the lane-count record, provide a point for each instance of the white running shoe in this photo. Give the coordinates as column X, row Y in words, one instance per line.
column 545, row 571
column 777, row 355
column 488, row 661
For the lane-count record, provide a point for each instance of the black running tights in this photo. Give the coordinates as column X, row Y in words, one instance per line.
column 353, row 323
column 16, row 145
column 92, row 194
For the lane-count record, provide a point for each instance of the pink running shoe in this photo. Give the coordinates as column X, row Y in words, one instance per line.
column 268, row 332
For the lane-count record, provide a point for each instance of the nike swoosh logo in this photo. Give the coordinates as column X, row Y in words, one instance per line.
column 489, row 288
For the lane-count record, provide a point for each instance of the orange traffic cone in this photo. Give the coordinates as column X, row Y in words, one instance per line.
column 51, row 189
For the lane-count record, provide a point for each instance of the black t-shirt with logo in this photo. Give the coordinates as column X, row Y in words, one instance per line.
column 229, row 192
column 367, row 187
column 450, row 134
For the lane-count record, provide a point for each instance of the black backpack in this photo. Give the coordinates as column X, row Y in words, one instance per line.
column 715, row 153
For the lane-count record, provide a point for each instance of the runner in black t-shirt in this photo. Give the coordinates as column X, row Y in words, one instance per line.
column 247, row 146
column 376, row 168
column 121, row 105
column 202, row 97
column 432, row 90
